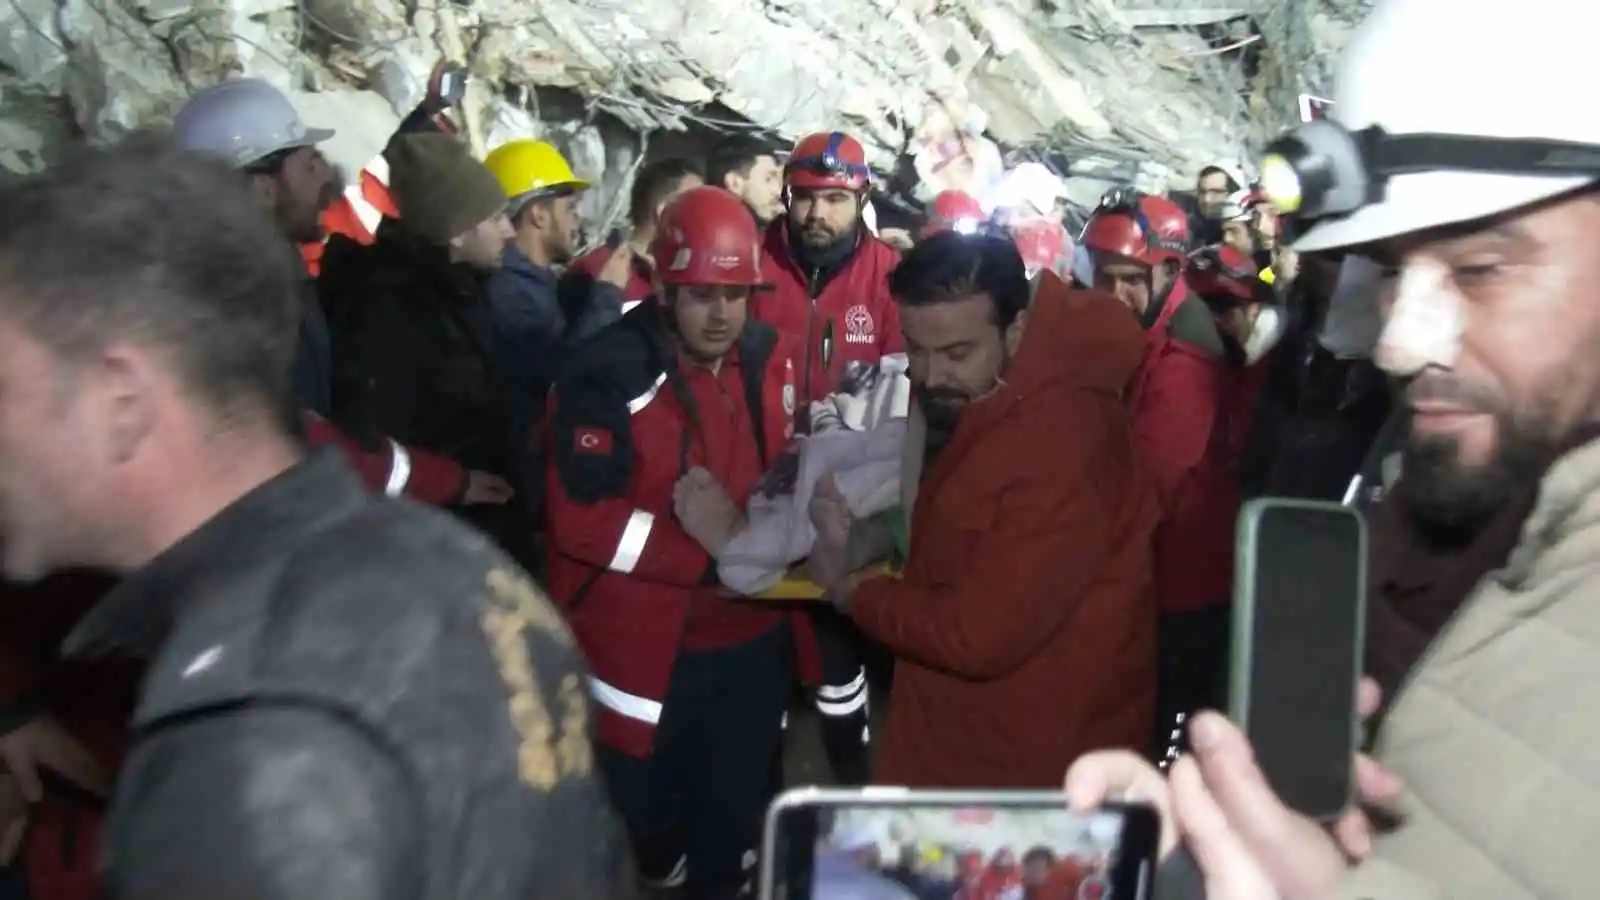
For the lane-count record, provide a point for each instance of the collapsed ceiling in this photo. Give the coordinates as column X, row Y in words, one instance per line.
column 1128, row 89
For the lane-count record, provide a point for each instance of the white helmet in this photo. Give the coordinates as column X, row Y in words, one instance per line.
column 1466, row 68
column 242, row 121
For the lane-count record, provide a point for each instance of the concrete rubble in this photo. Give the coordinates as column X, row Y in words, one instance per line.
column 1111, row 90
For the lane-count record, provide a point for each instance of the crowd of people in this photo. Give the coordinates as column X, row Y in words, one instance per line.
column 233, row 665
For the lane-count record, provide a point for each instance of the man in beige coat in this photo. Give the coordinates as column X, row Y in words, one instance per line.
column 1461, row 166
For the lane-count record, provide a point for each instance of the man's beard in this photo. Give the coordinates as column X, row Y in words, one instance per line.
column 1450, row 502
column 817, row 236
column 941, row 407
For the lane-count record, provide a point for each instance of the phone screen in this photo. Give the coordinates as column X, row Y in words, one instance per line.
column 1297, row 644
column 917, row 848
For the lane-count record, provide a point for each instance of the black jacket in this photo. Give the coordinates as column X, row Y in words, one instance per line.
column 351, row 697
column 410, row 348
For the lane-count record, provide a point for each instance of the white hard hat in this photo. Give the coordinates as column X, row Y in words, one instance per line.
column 242, row 121
column 1241, row 204
column 1462, row 67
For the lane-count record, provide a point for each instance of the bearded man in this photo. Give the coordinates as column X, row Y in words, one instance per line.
column 1028, row 583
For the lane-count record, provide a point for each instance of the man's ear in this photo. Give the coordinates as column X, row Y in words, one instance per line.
column 1013, row 333
column 265, row 189
column 126, row 380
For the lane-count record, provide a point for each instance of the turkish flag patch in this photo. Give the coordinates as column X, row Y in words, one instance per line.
column 594, row 441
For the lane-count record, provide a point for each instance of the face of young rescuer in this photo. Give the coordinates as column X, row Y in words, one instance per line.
column 1493, row 332
column 709, row 318
column 962, row 301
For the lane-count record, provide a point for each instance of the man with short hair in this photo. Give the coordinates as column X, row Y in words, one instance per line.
column 1212, row 188
column 609, row 280
column 830, row 277
column 750, row 168
column 1028, row 583
column 327, row 711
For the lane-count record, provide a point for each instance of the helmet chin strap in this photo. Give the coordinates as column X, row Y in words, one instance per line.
column 1158, row 302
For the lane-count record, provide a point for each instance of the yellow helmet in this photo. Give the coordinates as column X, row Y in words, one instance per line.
column 527, row 166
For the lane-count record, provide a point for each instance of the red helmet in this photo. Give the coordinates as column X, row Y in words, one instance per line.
column 950, row 208
column 707, row 235
column 1141, row 227
column 829, row 159
column 1224, row 278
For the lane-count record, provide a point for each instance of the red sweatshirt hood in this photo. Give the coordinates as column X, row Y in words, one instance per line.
column 1073, row 338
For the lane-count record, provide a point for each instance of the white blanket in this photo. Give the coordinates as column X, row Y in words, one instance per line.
column 857, row 437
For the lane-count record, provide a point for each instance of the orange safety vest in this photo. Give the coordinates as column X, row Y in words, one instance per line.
column 357, row 213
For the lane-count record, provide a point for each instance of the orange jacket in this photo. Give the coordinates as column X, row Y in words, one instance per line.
column 1024, row 628
column 356, row 214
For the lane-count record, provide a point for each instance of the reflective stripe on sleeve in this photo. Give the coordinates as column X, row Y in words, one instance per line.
column 399, row 470
column 619, row 701
column 630, row 547
column 637, row 404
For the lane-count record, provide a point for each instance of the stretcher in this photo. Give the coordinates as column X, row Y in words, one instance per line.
column 796, row 586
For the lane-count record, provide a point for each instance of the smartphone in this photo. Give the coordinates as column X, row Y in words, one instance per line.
column 1299, row 620
column 1313, row 107
column 894, row 843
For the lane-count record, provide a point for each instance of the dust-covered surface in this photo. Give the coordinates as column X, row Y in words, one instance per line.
column 1119, row 89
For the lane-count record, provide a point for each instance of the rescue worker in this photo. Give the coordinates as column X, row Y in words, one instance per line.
column 1137, row 243
column 607, row 281
column 830, row 275
column 526, row 325
column 956, row 211
column 750, row 168
column 1228, row 283
column 410, row 319
column 830, row 295
column 661, row 425
column 253, row 127
column 1028, row 583
column 327, row 711
column 1475, row 190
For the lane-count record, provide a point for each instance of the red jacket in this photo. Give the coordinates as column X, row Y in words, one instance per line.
column 634, row 585
column 93, row 701
column 421, row 476
column 640, row 277
column 1024, row 630
column 1180, row 411
column 852, row 313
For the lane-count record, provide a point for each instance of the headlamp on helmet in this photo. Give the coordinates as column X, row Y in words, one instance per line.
column 1319, row 170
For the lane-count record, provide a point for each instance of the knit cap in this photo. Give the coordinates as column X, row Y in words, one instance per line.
column 440, row 189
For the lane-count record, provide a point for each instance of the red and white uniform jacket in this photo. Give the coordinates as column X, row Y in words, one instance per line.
column 395, row 470
column 1180, row 399
column 628, row 418
column 841, row 317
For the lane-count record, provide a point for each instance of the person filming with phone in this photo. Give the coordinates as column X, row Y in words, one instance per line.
column 1477, row 191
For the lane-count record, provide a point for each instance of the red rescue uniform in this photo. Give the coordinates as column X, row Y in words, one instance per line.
column 627, row 422
column 848, row 317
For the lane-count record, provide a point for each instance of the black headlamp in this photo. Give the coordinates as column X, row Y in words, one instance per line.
column 830, row 165
column 1319, row 170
